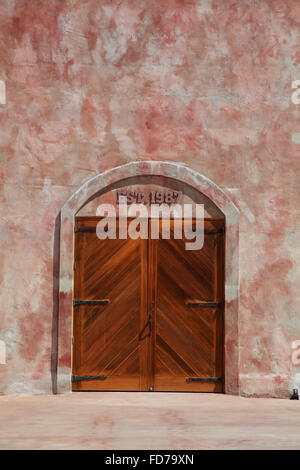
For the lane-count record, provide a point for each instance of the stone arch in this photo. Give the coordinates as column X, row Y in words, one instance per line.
column 182, row 173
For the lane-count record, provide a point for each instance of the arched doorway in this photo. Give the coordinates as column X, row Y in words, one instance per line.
column 193, row 185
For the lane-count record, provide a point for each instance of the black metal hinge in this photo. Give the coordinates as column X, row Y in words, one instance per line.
column 214, row 231
column 91, row 302
column 204, row 379
column 78, row 378
column 196, row 303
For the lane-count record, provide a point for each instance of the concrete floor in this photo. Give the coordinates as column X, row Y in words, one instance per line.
column 122, row 420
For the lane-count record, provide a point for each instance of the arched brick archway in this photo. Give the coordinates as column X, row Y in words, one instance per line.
column 182, row 173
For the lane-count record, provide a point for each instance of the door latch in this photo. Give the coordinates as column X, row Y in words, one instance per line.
column 91, row 302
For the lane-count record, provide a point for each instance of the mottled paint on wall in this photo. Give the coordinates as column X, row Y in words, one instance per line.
column 91, row 85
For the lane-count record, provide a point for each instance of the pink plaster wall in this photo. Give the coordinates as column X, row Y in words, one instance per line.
column 92, row 85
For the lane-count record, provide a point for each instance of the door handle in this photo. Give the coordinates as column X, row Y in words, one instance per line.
column 150, row 323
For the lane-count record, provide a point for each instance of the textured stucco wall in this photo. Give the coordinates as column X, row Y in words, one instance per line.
column 91, row 85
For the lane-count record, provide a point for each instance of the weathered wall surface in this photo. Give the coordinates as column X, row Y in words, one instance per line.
column 91, row 85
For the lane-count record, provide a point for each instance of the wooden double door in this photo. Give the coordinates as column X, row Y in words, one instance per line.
column 148, row 314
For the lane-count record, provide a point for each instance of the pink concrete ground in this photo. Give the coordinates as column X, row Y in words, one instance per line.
column 148, row 421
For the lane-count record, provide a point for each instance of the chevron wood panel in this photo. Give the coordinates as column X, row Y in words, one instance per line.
column 189, row 339
column 107, row 337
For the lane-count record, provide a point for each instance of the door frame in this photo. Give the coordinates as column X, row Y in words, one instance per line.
column 61, row 376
